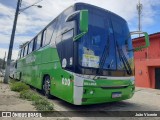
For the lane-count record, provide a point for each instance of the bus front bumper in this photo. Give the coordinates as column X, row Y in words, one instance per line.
column 95, row 95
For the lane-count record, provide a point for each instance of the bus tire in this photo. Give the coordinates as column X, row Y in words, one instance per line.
column 46, row 86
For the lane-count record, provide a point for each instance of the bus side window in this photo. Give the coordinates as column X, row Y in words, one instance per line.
column 38, row 42
column 30, row 48
column 34, row 43
column 21, row 52
column 58, row 31
column 67, row 35
column 47, row 34
column 44, row 37
column 25, row 50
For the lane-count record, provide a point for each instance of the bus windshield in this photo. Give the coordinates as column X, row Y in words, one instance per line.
column 107, row 45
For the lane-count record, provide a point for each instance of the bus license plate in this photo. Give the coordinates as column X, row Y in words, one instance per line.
column 116, row 94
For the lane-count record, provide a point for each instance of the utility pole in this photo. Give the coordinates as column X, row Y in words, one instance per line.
column 18, row 10
column 6, row 77
column 139, row 9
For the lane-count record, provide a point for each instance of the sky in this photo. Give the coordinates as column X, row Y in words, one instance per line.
column 34, row 19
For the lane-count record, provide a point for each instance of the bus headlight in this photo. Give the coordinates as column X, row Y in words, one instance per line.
column 91, row 92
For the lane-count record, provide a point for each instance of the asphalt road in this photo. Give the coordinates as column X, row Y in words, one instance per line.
column 143, row 100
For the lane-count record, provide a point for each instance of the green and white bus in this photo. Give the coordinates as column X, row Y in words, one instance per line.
column 84, row 56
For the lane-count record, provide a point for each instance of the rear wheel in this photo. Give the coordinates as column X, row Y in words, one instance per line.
column 46, row 87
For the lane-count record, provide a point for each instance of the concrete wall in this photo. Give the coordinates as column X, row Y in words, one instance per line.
column 146, row 61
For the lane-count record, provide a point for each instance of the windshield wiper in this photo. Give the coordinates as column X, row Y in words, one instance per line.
column 103, row 58
column 124, row 60
column 105, row 54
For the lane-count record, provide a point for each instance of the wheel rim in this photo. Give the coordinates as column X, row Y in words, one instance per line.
column 47, row 87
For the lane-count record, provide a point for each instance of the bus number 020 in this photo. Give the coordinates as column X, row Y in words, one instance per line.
column 65, row 81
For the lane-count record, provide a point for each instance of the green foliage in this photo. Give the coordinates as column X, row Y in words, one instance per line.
column 11, row 81
column 29, row 95
column 43, row 105
column 18, row 86
column 39, row 102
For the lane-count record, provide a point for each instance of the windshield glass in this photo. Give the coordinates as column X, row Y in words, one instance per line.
column 123, row 42
column 99, row 48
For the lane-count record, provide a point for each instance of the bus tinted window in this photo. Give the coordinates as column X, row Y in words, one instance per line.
column 47, row 35
column 34, row 43
column 30, row 47
column 25, row 50
column 67, row 35
column 44, row 37
column 38, row 41
column 22, row 52
column 62, row 25
column 19, row 54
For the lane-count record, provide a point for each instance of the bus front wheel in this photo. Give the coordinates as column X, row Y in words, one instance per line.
column 46, row 86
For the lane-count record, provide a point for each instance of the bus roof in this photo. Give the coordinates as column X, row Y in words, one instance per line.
column 74, row 5
column 96, row 7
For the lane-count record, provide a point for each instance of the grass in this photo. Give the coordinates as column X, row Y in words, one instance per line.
column 19, row 86
column 12, row 81
column 41, row 103
column 29, row 95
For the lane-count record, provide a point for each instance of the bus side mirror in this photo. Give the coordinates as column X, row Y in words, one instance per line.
column 83, row 22
column 147, row 43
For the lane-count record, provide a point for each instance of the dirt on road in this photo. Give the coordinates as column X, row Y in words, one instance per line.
column 10, row 101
